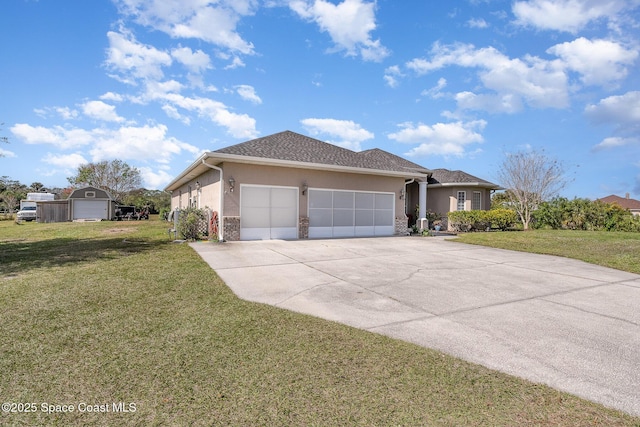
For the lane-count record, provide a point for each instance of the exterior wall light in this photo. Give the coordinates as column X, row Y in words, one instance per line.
column 232, row 184
column 305, row 187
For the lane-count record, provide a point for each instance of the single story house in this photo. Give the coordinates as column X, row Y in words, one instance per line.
column 91, row 203
column 624, row 202
column 291, row 186
column 455, row 191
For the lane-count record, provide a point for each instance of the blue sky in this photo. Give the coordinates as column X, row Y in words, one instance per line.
column 456, row 84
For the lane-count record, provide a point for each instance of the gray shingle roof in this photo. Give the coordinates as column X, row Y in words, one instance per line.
column 446, row 176
column 293, row 146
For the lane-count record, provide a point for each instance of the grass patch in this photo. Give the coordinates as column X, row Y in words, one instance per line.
column 112, row 312
column 610, row 249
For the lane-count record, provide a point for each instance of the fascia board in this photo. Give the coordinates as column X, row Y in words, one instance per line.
column 218, row 158
column 221, row 157
column 465, row 184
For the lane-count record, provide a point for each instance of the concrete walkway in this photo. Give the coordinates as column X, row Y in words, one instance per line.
column 561, row 322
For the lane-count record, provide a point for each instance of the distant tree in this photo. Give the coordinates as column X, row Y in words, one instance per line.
column 11, row 192
column 153, row 200
column 531, row 178
column 500, row 201
column 115, row 176
column 37, row 187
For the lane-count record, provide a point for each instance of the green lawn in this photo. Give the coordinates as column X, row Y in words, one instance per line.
column 610, row 249
column 98, row 313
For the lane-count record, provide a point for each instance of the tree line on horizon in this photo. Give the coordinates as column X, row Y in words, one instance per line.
column 122, row 181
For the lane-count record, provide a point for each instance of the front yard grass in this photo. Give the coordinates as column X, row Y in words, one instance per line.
column 103, row 313
column 610, row 249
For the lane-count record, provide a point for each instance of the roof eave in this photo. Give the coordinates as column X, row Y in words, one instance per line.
column 192, row 171
column 466, row 184
column 188, row 174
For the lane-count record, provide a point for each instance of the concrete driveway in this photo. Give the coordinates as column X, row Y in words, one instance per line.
column 561, row 322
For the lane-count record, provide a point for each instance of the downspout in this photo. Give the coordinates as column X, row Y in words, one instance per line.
column 221, row 229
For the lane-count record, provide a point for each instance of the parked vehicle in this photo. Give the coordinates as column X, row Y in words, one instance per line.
column 130, row 213
column 28, row 206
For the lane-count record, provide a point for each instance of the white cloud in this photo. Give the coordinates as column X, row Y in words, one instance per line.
column 137, row 143
column 566, row 15
column 126, row 143
column 614, row 142
column 348, row 23
column 622, row 110
column 445, row 139
column 66, row 113
column 154, row 178
column 64, row 138
column 210, row 21
column 248, row 93
column 238, row 125
column 600, row 62
column 539, row 83
column 167, row 93
column 132, row 60
column 67, row 162
column 350, row 135
column 492, row 103
column 7, row 153
column 235, row 63
column 196, row 62
column 101, row 111
column 391, row 75
column 173, row 112
column 111, row 96
column 436, row 91
column 477, row 23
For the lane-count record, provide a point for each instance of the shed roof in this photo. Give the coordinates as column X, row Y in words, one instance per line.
column 624, row 202
column 446, row 177
column 80, row 193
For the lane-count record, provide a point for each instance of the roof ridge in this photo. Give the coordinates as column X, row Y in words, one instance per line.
column 292, row 146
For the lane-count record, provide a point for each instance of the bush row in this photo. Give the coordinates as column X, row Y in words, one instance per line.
column 501, row 219
column 584, row 214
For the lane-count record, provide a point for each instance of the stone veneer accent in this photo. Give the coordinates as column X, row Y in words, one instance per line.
column 402, row 226
column 303, row 227
column 231, row 226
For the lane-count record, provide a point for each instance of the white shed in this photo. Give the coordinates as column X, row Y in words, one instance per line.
column 91, row 203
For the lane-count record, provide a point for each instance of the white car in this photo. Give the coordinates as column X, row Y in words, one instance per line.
column 27, row 213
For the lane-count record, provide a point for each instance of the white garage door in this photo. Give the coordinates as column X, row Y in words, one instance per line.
column 90, row 209
column 337, row 213
column 268, row 212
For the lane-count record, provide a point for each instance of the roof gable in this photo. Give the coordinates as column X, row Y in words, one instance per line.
column 98, row 193
column 449, row 177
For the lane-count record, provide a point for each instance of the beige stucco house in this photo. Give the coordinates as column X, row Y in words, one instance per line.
column 291, row 186
column 454, row 191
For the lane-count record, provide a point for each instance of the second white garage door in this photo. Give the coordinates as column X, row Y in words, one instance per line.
column 338, row 213
column 268, row 212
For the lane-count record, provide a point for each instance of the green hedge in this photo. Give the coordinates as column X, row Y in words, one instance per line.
column 501, row 219
column 584, row 214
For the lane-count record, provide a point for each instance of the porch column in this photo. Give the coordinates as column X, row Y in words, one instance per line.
column 423, row 223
